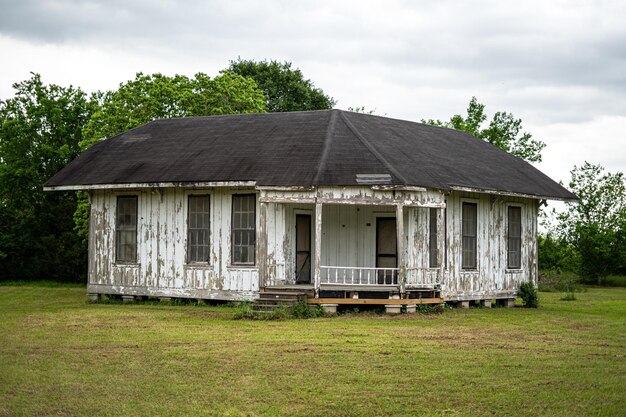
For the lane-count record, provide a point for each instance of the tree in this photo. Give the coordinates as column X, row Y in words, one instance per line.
column 596, row 225
column 503, row 131
column 156, row 96
column 285, row 88
column 40, row 131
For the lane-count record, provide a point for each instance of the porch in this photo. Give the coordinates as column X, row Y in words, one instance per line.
column 352, row 246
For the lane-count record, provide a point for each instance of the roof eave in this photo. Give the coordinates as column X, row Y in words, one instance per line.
column 512, row 194
column 206, row 184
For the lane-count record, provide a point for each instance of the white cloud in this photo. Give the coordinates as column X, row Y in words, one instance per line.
column 560, row 66
column 601, row 140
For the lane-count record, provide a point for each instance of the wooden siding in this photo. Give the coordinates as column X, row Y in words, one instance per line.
column 491, row 278
column 348, row 238
column 162, row 267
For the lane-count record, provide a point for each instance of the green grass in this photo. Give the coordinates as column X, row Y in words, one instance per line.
column 60, row 355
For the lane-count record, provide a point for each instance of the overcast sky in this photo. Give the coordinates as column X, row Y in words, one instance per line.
column 560, row 66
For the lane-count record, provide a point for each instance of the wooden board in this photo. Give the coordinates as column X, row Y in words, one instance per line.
column 375, row 301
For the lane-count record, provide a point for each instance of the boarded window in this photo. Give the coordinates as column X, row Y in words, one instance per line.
column 198, row 229
column 244, row 229
column 469, row 234
column 514, row 241
column 126, row 229
column 433, row 250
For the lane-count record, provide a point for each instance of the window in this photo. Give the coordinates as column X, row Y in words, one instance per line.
column 469, row 232
column 514, row 240
column 243, row 229
column 126, row 229
column 198, row 229
column 432, row 240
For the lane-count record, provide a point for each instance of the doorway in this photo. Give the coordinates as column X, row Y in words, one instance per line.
column 386, row 250
column 303, row 248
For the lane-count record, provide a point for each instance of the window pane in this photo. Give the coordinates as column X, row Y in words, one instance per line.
column 243, row 233
column 514, row 241
column 126, row 229
column 432, row 242
column 198, row 229
column 469, row 229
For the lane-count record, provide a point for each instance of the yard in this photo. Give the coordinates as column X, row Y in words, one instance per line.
column 60, row 355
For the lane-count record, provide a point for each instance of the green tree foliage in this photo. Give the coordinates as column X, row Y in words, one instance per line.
column 156, row 96
column 40, row 131
column 503, row 131
column 556, row 254
column 285, row 88
column 596, row 225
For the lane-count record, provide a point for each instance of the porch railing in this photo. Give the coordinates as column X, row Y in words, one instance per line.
column 351, row 275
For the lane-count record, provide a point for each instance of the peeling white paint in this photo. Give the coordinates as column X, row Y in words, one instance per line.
column 344, row 219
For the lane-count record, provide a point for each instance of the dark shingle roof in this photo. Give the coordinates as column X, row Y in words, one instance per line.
column 328, row 147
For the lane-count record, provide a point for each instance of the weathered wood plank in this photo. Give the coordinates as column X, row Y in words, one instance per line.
column 318, row 248
column 374, row 301
column 263, row 245
column 400, row 245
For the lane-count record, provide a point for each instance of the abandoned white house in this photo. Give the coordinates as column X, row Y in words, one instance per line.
column 342, row 206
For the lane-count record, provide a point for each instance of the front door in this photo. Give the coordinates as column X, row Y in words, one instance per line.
column 386, row 250
column 303, row 248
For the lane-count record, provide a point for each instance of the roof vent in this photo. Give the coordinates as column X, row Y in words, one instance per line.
column 370, row 179
column 135, row 137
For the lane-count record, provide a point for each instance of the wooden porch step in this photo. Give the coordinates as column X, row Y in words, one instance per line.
column 275, row 302
column 270, row 300
column 283, row 295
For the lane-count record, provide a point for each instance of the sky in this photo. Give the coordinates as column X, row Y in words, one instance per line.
column 558, row 65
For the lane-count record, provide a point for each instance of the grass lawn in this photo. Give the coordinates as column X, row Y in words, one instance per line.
column 60, row 355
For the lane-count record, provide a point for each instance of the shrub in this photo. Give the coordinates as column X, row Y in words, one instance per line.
column 243, row 310
column 430, row 308
column 570, row 296
column 559, row 281
column 302, row 310
column 614, row 281
column 528, row 294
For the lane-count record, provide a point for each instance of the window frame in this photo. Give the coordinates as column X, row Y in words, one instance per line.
column 189, row 229
column 475, row 265
column 253, row 253
column 119, row 228
column 508, row 236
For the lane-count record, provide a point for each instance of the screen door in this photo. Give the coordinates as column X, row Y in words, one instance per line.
column 303, row 249
column 386, row 250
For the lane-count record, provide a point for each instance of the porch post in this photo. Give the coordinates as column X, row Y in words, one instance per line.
column 318, row 248
column 400, row 247
column 441, row 242
column 262, row 245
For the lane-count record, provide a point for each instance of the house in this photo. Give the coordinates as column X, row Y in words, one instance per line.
column 344, row 207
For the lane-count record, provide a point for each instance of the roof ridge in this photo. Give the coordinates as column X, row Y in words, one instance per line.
column 330, row 129
column 372, row 149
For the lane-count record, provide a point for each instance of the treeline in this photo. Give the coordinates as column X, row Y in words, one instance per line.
column 43, row 127
column 589, row 237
